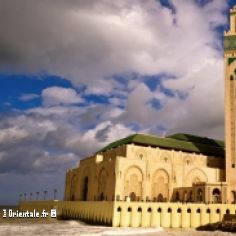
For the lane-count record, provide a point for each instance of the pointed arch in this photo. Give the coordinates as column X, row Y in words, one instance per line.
column 160, row 185
column 216, row 195
column 194, row 176
column 133, row 179
column 102, row 184
column 233, row 197
column 73, row 184
column 84, row 186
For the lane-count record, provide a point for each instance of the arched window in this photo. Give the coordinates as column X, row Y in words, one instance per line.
column 185, row 196
column 196, row 180
column 85, row 189
column 160, row 198
column 132, row 196
column 233, row 197
column 195, row 176
column 200, row 195
column 177, row 198
column 160, row 185
column 190, row 196
column 216, row 195
column 102, row 184
column 102, row 197
column 133, row 183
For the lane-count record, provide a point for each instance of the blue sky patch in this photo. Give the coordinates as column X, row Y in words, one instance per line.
column 12, row 87
column 202, row 3
column 168, row 4
column 97, row 99
column 134, row 126
column 155, row 103
column 122, row 79
column 152, row 81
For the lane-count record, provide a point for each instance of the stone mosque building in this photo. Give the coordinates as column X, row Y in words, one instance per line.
column 176, row 168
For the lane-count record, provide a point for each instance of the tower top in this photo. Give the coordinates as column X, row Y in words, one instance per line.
column 232, row 29
column 233, row 10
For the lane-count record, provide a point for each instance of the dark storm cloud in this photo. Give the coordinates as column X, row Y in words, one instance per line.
column 8, row 55
column 44, row 140
column 48, row 35
column 102, row 134
column 29, row 145
column 32, row 160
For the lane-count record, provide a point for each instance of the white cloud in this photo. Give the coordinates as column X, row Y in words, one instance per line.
column 94, row 139
column 203, row 111
column 59, row 96
column 28, row 97
column 95, row 41
column 12, row 134
column 110, row 38
column 123, row 37
column 49, row 162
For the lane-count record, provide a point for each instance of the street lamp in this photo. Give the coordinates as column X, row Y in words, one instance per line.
column 45, row 193
column 37, row 195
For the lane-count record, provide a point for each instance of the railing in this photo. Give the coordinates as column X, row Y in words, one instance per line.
column 137, row 214
column 91, row 212
column 169, row 215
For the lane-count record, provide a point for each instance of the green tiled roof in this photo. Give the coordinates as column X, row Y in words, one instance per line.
column 197, row 139
column 183, row 142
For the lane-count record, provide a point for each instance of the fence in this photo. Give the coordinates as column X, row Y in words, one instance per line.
column 92, row 212
column 169, row 215
column 137, row 214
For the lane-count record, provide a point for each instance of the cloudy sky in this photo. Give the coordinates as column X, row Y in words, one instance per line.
column 76, row 75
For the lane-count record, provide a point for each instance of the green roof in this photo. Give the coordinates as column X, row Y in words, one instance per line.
column 197, row 139
column 183, row 142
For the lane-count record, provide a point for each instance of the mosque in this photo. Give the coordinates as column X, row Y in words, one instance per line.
column 176, row 168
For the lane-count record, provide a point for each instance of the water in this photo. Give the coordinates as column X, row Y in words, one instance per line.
column 79, row 228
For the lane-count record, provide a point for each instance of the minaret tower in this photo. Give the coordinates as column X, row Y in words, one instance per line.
column 230, row 103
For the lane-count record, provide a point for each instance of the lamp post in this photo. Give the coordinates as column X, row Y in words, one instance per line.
column 45, row 193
